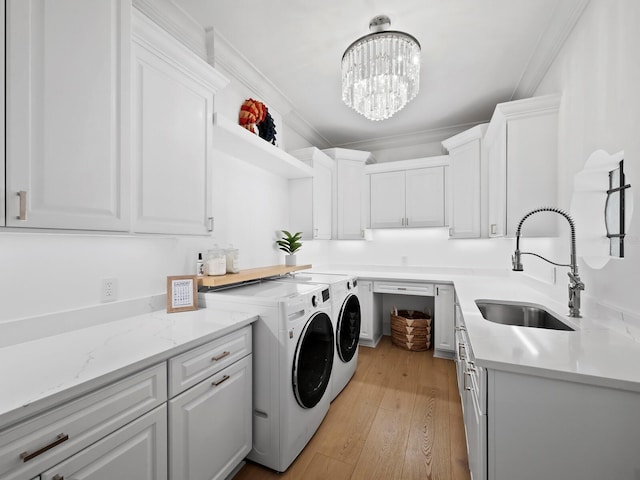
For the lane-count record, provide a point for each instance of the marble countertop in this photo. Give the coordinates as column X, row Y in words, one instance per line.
column 39, row 374
column 595, row 353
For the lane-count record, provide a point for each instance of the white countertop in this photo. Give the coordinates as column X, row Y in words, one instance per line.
column 595, row 353
column 39, row 374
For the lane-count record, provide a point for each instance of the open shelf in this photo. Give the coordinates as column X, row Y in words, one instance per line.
column 249, row 274
column 238, row 142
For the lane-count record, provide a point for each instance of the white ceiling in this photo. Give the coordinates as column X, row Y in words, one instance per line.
column 474, row 54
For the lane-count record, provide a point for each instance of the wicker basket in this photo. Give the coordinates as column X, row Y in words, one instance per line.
column 411, row 330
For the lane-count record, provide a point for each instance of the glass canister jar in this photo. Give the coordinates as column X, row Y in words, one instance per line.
column 232, row 254
column 216, row 261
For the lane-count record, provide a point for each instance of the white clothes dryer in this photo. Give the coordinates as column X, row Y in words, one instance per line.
column 293, row 351
column 346, row 317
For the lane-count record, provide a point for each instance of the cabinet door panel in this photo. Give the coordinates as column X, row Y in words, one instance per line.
column 425, row 197
column 136, row 451
column 465, row 200
column 497, row 158
column 210, row 429
column 444, row 318
column 322, row 201
column 172, row 154
column 387, row 199
column 68, row 110
column 350, row 185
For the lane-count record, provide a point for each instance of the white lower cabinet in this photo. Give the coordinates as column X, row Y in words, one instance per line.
column 129, row 430
column 136, row 451
column 210, row 425
column 444, row 321
column 370, row 321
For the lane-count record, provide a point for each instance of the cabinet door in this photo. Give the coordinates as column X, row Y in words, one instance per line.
column 365, row 295
column 465, row 184
column 497, row 160
column 350, row 185
column 2, row 103
column 210, row 425
column 138, row 450
column 387, row 192
column 67, row 105
column 444, row 318
column 322, row 201
column 172, row 132
column 301, row 205
column 425, row 197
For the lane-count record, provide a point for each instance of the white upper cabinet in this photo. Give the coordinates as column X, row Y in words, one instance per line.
column 350, row 192
column 404, row 195
column 522, row 151
column 2, row 102
column 465, row 157
column 311, row 199
column 172, row 133
column 67, row 108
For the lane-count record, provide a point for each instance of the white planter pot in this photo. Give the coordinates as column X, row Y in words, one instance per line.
column 290, row 260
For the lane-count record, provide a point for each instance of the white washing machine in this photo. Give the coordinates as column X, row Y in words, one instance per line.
column 346, row 322
column 293, row 351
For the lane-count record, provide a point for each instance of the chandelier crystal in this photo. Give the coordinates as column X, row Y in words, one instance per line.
column 381, row 71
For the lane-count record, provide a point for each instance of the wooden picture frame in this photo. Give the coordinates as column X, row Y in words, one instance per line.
column 182, row 293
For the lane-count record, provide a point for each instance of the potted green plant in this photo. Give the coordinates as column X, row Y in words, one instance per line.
column 290, row 244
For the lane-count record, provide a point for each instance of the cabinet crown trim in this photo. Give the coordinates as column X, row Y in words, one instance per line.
column 153, row 38
column 467, row 136
column 528, row 107
column 347, row 154
column 313, row 155
column 400, row 165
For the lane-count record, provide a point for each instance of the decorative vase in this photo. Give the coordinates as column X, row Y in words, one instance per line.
column 290, row 260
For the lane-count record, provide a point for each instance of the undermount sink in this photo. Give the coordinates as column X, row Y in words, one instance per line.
column 520, row 314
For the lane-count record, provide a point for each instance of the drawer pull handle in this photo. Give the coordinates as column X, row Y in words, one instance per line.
column 23, row 205
column 467, row 374
column 58, row 477
column 221, row 356
column 222, row 380
column 26, row 456
column 402, row 288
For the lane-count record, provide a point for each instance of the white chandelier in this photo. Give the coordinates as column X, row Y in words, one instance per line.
column 381, row 71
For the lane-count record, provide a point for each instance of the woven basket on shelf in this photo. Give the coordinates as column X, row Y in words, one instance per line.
column 411, row 330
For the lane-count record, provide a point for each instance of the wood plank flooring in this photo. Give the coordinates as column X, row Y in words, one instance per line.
column 399, row 418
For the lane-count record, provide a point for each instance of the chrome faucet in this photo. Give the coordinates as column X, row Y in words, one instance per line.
column 575, row 284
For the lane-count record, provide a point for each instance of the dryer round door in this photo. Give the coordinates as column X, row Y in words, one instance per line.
column 348, row 328
column 313, row 360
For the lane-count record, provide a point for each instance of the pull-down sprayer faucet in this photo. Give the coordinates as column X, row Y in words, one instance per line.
column 575, row 284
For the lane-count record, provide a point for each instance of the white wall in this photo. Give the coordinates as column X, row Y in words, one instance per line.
column 598, row 74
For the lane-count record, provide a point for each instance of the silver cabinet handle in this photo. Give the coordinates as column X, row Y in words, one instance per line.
column 23, row 205
column 26, row 456
column 222, row 380
column 221, row 356
column 58, row 477
column 210, row 229
column 492, row 228
column 462, row 352
column 402, row 221
column 467, row 374
column 406, row 221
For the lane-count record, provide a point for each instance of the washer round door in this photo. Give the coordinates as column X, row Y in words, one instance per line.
column 313, row 360
column 348, row 328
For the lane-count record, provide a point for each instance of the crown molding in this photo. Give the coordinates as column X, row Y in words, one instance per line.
column 177, row 22
column 562, row 21
column 474, row 133
column 409, row 139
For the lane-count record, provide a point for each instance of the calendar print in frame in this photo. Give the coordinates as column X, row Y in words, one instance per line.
column 182, row 293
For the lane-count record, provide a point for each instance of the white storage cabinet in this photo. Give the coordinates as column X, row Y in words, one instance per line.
column 210, row 429
column 408, row 193
column 522, row 152
column 311, row 199
column 172, row 133
column 68, row 114
column 370, row 314
column 444, row 311
column 465, row 168
column 54, row 438
column 350, row 194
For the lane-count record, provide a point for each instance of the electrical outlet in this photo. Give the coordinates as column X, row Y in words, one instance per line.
column 109, row 290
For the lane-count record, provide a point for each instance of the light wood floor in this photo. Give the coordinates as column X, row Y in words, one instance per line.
column 399, row 418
